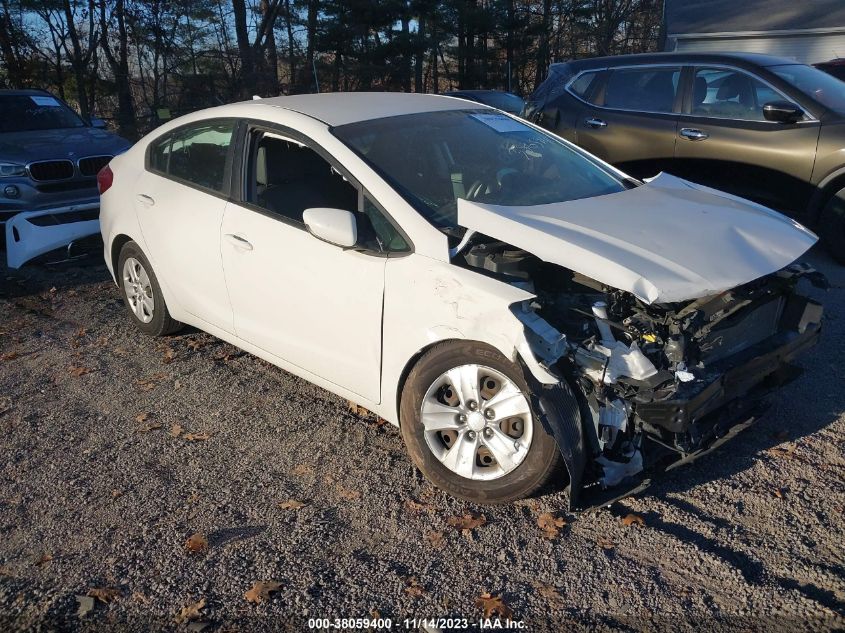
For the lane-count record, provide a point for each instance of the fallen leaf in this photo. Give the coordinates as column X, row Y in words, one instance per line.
column 547, row 591
column 195, row 344
column 79, row 370
column 605, row 543
column 137, row 596
column 435, row 539
column 169, row 355
column 196, row 437
column 105, row 594
column 550, row 525
column 780, row 493
column 86, row 605
column 196, row 543
column 375, row 614
column 80, row 332
column 142, row 417
column 116, row 493
column 301, row 469
column 466, row 523
column 44, row 558
column 176, row 430
column 490, row 605
column 787, row 452
column 414, row 588
column 153, row 426
column 11, row 355
column 261, row 591
column 291, row 504
column 416, row 506
column 347, row 494
column 357, row 409
column 191, row 612
column 631, row 520
column 149, row 383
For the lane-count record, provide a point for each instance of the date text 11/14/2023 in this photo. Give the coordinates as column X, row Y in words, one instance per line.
column 416, row 624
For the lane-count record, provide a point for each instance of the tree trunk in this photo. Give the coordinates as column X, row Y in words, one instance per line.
column 248, row 83
column 77, row 62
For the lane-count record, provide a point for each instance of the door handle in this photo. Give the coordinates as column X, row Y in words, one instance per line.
column 146, row 200
column 595, row 123
column 238, row 242
column 693, row 134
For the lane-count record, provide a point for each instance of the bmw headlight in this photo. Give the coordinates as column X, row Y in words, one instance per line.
column 8, row 170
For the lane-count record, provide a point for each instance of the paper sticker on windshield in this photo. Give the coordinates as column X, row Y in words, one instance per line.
column 500, row 122
column 46, row 101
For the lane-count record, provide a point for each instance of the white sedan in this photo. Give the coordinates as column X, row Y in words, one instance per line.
column 514, row 304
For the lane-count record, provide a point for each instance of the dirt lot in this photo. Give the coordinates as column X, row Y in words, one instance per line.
column 117, row 448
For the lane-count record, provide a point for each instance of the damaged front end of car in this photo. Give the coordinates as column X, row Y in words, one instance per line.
column 661, row 354
column 659, row 385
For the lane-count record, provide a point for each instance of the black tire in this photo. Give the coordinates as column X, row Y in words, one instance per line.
column 832, row 226
column 162, row 323
column 539, row 465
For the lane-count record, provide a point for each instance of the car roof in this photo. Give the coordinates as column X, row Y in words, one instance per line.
column 22, row 92
column 340, row 108
column 477, row 92
column 756, row 59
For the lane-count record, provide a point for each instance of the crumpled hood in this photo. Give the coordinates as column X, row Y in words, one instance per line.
column 73, row 143
column 665, row 241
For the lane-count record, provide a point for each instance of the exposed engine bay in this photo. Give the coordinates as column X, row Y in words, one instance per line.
column 655, row 383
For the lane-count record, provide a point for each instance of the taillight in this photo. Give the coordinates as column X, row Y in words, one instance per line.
column 105, row 178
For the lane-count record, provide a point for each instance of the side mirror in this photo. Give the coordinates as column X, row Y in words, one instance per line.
column 335, row 226
column 782, row 112
column 98, row 123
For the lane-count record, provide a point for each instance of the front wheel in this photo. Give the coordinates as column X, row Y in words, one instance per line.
column 832, row 226
column 468, row 425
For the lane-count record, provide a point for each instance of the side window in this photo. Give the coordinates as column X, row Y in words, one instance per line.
column 160, row 154
column 387, row 236
column 288, row 177
column 730, row 94
column 198, row 153
column 642, row 89
column 582, row 84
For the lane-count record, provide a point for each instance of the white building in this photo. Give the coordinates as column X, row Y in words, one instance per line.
column 809, row 31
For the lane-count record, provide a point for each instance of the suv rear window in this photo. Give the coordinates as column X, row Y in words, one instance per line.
column 642, row 89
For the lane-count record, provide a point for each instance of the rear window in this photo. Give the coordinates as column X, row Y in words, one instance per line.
column 642, row 89
column 195, row 154
column 29, row 113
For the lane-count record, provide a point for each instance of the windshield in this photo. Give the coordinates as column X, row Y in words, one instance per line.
column 25, row 113
column 435, row 158
column 818, row 85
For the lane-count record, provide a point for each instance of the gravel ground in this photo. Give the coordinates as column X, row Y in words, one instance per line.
column 116, row 448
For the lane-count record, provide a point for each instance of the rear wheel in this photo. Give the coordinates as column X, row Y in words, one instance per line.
column 469, row 427
column 142, row 293
column 832, row 226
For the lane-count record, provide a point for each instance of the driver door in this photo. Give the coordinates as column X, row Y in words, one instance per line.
column 305, row 301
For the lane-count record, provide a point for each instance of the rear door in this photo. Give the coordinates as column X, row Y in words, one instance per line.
column 725, row 142
column 631, row 119
column 180, row 199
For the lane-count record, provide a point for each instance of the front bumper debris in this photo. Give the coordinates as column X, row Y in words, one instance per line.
column 33, row 233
